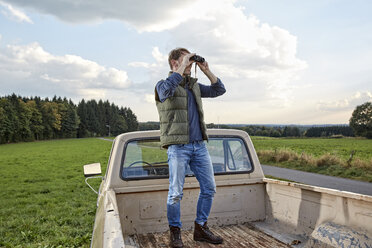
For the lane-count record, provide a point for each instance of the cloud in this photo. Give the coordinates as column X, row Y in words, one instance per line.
column 144, row 15
column 160, row 60
column 244, row 50
column 31, row 67
column 346, row 104
column 157, row 68
column 256, row 61
column 14, row 14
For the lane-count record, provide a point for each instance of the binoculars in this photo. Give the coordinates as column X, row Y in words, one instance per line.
column 197, row 58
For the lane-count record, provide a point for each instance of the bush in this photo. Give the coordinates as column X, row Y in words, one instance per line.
column 358, row 163
column 286, row 155
column 266, row 155
column 307, row 159
column 328, row 160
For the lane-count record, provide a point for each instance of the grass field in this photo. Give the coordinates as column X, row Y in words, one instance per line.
column 318, row 146
column 320, row 155
column 44, row 199
column 45, row 202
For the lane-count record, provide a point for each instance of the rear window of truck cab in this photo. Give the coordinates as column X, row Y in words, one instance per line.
column 144, row 159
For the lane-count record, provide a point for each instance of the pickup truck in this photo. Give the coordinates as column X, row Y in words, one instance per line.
column 249, row 210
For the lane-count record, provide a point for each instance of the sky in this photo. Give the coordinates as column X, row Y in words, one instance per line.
column 282, row 62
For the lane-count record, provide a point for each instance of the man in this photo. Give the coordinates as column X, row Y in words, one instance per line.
column 183, row 131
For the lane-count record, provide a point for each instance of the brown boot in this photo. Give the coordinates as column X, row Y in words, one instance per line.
column 202, row 233
column 175, row 237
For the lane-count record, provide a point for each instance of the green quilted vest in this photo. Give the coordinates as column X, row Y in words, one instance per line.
column 173, row 115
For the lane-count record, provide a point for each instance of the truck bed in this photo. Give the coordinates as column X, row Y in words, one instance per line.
column 244, row 235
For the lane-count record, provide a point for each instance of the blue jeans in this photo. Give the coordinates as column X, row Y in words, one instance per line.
column 196, row 156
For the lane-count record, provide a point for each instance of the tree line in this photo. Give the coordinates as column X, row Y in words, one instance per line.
column 34, row 118
column 28, row 119
column 299, row 131
column 330, row 131
column 274, row 131
column 268, row 131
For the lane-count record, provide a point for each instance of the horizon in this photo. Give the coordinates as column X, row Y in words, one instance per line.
column 267, row 124
column 305, row 64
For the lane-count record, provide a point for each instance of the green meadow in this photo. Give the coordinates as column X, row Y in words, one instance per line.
column 46, row 203
column 321, row 155
column 44, row 199
column 318, row 146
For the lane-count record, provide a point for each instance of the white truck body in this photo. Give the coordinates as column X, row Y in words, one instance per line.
column 297, row 215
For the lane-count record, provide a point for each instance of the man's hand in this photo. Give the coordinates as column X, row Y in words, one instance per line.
column 185, row 63
column 205, row 69
column 203, row 66
column 186, row 59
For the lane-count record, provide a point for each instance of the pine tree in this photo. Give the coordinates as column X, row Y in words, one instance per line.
column 70, row 120
column 51, row 119
column 130, row 118
column 36, row 122
column 101, row 116
column 83, row 116
column 7, row 117
column 92, row 120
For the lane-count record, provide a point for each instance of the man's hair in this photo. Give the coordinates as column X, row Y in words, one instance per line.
column 176, row 54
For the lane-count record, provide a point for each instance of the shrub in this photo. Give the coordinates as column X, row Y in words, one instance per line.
column 286, row 155
column 267, row 155
column 328, row 160
column 307, row 159
column 358, row 163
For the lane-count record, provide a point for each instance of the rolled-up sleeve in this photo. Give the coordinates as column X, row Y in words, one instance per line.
column 213, row 90
column 166, row 88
